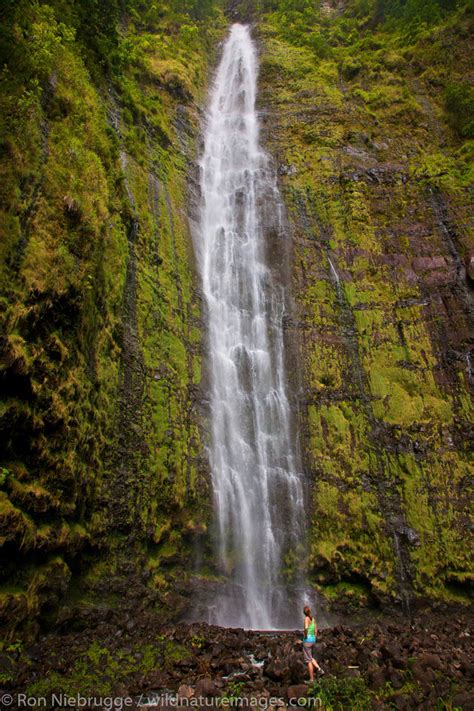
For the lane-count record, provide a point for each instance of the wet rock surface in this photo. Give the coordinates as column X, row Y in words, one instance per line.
column 387, row 664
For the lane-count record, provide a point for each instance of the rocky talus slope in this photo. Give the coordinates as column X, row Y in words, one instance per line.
column 424, row 665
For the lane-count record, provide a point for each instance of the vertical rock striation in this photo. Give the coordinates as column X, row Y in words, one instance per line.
column 376, row 184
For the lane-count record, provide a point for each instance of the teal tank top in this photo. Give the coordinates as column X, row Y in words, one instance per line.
column 311, row 632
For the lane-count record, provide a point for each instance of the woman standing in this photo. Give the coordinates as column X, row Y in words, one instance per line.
column 309, row 640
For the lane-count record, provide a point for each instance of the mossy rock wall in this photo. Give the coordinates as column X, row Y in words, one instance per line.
column 102, row 461
column 378, row 191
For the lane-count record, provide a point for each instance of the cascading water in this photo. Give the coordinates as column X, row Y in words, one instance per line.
column 259, row 507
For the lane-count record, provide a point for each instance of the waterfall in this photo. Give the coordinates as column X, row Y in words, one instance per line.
column 258, row 491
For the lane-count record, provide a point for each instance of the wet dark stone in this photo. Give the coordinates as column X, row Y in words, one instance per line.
column 430, row 661
column 464, row 700
column 297, row 691
column 467, row 668
column 206, row 688
column 396, row 679
column 423, row 675
column 378, row 677
column 276, row 670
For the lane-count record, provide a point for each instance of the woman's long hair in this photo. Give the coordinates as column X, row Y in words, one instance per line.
column 307, row 612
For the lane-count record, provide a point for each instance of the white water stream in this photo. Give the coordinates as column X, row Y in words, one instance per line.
column 259, row 507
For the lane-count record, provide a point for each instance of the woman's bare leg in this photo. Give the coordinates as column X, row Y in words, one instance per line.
column 315, row 664
column 311, row 671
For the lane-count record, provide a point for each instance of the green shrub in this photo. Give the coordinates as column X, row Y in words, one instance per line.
column 459, row 103
column 320, row 45
column 350, row 68
column 340, row 694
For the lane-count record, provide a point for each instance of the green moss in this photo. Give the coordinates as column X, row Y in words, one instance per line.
column 459, row 102
column 99, row 346
column 365, row 136
column 349, row 536
column 350, row 594
column 439, row 550
column 16, row 526
column 100, row 670
column 326, row 366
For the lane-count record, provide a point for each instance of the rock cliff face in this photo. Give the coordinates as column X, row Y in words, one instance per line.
column 378, row 191
column 104, row 487
column 102, row 477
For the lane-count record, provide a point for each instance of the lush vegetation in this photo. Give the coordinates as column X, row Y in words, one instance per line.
column 341, row 693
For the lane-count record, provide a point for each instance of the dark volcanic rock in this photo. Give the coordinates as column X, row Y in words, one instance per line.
column 464, row 700
column 276, row 670
column 433, row 656
column 296, row 692
column 206, row 688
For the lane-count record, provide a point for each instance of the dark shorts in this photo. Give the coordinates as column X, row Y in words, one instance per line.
column 308, row 651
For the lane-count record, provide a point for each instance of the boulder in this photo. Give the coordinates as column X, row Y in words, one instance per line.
column 378, row 677
column 276, row 670
column 423, row 675
column 391, row 650
column 396, row 679
column 185, row 691
column 206, row 688
column 467, row 668
column 298, row 691
column 297, row 669
column 154, row 680
column 464, row 700
column 217, row 649
column 430, row 661
column 186, row 662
